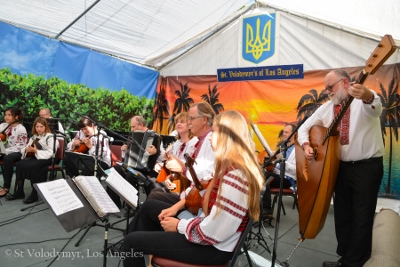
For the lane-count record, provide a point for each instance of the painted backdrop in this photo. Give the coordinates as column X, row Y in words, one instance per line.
column 270, row 104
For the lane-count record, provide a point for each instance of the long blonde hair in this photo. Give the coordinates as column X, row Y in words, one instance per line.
column 235, row 150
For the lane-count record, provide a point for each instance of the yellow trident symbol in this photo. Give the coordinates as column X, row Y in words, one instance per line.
column 255, row 45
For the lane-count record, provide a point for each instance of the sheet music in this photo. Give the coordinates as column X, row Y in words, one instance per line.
column 122, row 187
column 94, row 192
column 60, row 196
column 261, row 138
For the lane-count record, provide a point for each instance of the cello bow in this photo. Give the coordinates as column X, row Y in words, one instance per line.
column 315, row 187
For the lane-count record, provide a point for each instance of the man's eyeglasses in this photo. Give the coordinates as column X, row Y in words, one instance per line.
column 192, row 118
column 330, row 87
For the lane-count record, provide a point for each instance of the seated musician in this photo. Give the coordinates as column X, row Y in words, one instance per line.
column 36, row 158
column 14, row 138
column 46, row 113
column 206, row 239
column 201, row 118
column 88, row 141
column 290, row 172
column 184, row 143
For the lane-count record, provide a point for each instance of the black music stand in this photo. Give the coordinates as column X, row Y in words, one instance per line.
column 282, row 161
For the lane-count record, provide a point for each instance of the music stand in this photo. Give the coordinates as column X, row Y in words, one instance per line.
column 282, row 161
column 83, row 163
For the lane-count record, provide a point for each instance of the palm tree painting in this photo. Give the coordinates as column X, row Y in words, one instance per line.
column 212, row 99
column 182, row 103
column 161, row 108
column 310, row 102
column 390, row 118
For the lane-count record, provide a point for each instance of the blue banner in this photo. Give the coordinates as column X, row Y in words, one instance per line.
column 279, row 72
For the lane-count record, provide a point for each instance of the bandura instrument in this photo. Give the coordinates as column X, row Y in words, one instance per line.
column 316, row 178
column 193, row 199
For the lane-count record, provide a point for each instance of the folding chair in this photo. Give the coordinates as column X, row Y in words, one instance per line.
column 58, row 167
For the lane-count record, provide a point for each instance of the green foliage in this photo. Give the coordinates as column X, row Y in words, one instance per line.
column 111, row 108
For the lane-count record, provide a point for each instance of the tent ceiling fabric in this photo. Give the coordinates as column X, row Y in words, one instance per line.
column 158, row 32
column 134, row 30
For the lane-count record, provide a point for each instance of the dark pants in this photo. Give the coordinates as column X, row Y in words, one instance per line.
column 171, row 245
column 8, row 167
column 266, row 199
column 147, row 237
column 356, row 193
column 32, row 169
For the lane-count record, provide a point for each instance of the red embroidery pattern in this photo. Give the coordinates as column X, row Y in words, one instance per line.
column 344, row 126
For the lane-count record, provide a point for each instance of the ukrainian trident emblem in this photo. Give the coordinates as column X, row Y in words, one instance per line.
column 258, row 41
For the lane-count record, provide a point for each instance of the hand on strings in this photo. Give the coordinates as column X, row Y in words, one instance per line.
column 157, row 167
column 169, row 224
column 308, row 152
column 170, row 185
column 32, row 149
column 123, row 147
column 76, row 143
column 87, row 142
column 174, row 164
column 152, row 150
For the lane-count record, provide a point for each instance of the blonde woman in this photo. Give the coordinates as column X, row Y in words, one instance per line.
column 232, row 197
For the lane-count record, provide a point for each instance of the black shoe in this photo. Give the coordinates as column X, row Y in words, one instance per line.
column 333, row 264
column 30, row 200
column 33, row 197
column 15, row 196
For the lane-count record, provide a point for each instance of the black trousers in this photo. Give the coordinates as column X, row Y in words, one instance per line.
column 266, row 199
column 356, row 193
column 8, row 167
column 147, row 237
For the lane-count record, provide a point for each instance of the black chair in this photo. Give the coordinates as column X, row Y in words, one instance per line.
column 165, row 262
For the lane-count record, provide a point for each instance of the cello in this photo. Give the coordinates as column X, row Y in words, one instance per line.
column 316, row 178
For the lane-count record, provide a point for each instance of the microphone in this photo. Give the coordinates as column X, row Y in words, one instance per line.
column 108, row 137
column 276, row 161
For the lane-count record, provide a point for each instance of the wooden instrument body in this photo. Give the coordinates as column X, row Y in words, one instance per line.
column 81, row 149
column 181, row 182
column 32, row 154
column 316, row 180
column 193, row 199
column 3, row 138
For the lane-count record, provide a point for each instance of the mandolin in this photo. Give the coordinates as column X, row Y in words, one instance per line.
column 193, row 199
column 82, row 148
column 181, row 182
column 32, row 154
column 316, row 178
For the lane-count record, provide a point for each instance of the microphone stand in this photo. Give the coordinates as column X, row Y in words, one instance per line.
column 282, row 165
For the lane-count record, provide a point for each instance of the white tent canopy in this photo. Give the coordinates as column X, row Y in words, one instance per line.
column 196, row 37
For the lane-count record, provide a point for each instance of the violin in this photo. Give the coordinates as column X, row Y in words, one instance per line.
column 32, row 154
